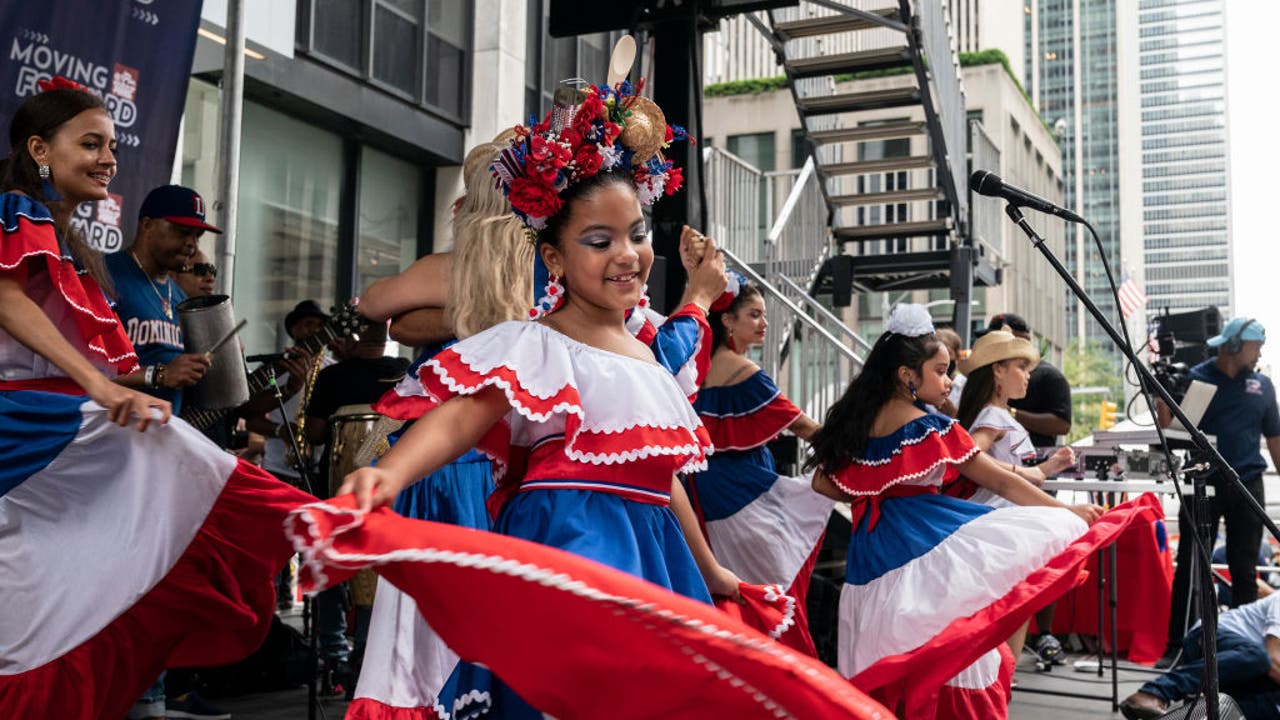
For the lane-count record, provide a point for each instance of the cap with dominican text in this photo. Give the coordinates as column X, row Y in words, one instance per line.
column 178, row 205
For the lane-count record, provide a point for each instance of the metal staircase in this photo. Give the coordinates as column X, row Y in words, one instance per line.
column 877, row 88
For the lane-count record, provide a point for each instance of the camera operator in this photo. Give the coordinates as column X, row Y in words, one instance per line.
column 1243, row 410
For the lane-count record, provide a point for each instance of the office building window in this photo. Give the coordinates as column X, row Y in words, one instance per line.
column 415, row 49
column 390, row 195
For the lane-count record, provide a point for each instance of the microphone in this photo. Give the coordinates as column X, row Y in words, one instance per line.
column 988, row 183
column 271, row 357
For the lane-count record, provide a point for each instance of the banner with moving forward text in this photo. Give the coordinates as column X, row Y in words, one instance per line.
column 134, row 54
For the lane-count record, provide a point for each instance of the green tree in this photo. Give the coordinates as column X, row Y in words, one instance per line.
column 1087, row 369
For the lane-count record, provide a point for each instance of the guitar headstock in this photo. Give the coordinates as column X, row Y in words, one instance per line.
column 346, row 321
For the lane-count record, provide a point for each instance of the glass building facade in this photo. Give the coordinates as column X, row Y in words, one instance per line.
column 1186, row 236
column 1071, row 72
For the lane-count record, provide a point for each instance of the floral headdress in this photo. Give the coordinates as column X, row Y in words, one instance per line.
column 588, row 132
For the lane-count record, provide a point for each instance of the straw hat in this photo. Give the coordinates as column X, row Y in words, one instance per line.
column 645, row 130
column 997, row 346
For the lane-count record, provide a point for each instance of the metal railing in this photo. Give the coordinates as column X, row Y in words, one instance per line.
column 804, row 352
column 943, row 96
column 799, row 240
column 735, row 217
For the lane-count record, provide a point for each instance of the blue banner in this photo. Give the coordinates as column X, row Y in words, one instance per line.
column 136, row 55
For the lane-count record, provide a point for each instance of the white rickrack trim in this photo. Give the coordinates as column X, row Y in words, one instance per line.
column 618, row 458
column 903, row 478
column 45, row 220
column 643, row 612
column 458, row 388
column 512, row 396
column 472, row 699
column 103, row 351
column 773, row 593
column 309, row 551
column 743, row 413
column 912, row 441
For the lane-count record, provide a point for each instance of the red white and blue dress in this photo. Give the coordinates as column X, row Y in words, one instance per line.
column 763, row 526
column 934, row 585
column 407, row 669
column 121, row 553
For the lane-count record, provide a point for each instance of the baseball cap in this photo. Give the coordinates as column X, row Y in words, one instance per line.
column 179, row 205
column 1247, row 328
column 304, row 309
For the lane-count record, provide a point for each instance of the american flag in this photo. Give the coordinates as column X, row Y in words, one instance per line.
column 1131, row 296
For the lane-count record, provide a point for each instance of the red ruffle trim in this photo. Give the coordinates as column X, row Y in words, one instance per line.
column 94, row 317
column 447, row 375
column 910, row 462
column 367, row 709
column 962, row 642
column 403, row 407
column 213, row 607
column 624, row 647
column 748, row 432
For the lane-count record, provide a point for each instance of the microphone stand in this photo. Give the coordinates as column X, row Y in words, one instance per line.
column 301, row 466
column 1202, row 572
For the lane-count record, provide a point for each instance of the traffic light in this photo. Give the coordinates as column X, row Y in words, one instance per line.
column 1107, row 415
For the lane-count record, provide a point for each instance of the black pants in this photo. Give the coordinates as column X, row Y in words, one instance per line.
column 1244, row 537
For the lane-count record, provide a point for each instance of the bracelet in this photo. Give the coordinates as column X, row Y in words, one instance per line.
column 159, row 375
column 149, row 376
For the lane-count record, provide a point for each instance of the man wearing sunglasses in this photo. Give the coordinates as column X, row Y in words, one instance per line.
column 197, row 277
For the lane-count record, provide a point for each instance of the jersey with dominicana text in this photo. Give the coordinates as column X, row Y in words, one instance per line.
column 140, row 305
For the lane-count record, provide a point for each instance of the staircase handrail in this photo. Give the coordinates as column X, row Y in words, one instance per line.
column 824, row 313
column 766, row 288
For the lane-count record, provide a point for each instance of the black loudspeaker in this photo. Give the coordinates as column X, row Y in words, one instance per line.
column 1227, row 710
column 1195, row 326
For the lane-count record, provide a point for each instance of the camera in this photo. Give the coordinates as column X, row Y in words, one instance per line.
column 1173, row 376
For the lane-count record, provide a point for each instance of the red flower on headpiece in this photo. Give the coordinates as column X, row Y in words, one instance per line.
column 57, row 82
column 588, row 160
column 670, row 135
column 591, row 109
column 533, row 198
column 675, row 178
column 546, row 158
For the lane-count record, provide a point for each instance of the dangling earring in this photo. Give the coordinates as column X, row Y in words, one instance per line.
column 50, row 192
column 551, row 300
column 911, row 385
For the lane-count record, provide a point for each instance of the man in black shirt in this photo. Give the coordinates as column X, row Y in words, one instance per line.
column 361, row 375
column 1046, row 410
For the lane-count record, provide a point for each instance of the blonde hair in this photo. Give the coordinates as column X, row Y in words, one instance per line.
column 492, row 272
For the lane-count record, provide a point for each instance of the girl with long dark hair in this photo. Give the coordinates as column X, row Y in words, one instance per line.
column 934, row 584
column 763, row 526
column 128, row 541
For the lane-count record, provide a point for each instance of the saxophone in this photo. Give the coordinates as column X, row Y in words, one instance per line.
column 300, row 420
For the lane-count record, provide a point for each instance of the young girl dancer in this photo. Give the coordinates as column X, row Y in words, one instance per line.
column 588, row 429
column 764, row 527
column 935, row 583
column 999, row 370
column 130, row 543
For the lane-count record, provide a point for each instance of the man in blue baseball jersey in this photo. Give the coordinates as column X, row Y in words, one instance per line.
column 170, row 224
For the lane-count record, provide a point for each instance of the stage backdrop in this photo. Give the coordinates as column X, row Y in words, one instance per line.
column 136, row 55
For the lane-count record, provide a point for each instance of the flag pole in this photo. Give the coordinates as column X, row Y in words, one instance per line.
column 232, row 105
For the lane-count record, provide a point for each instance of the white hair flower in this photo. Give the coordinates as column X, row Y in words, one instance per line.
column 910, row 320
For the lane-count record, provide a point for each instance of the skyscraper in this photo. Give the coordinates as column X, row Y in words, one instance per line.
column 1181, row 88
column 1072, row 60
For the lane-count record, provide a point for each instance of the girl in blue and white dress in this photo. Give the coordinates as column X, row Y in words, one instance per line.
column 763, row 526
column 128, row 541
column 934, row 584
